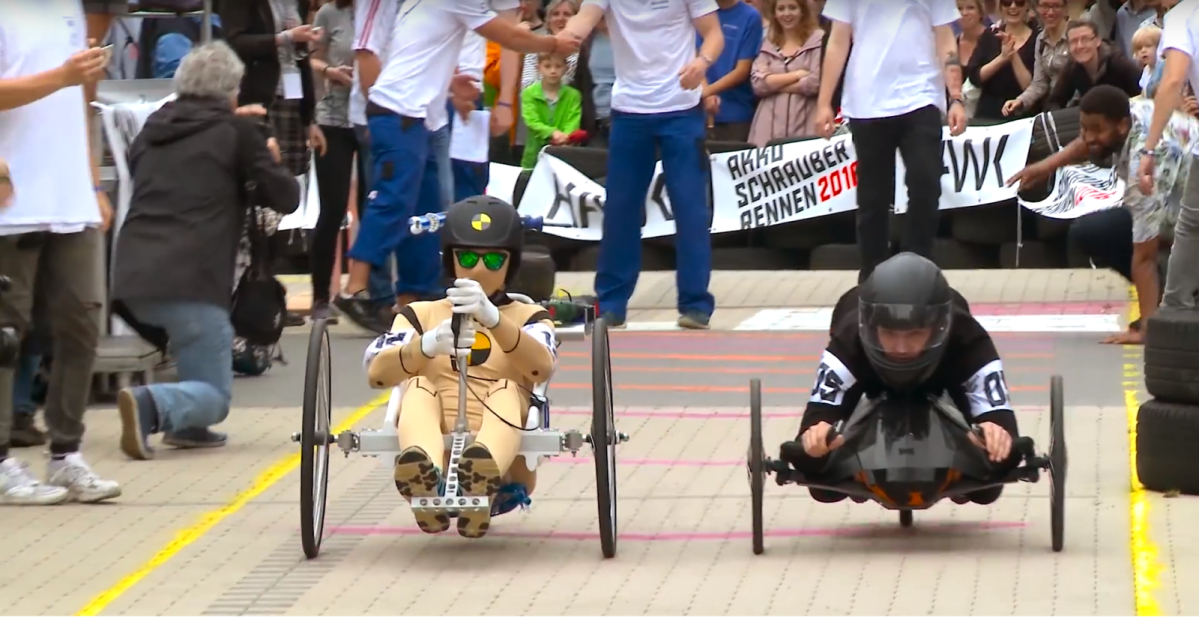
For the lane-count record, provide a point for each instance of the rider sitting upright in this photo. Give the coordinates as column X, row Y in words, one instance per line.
column 906, row 333
column 512, row 347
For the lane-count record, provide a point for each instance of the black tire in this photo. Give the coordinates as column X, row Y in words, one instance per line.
column 536, row 275
column 1171, row 355
column 836, row 257
column 810, row 233
column 1167, row 459
column 603, row 436
column 955, row 255
column 315, row 438
column 1058, row 462
column 1032, row 254
column 756, row 459
column 653, row 258
column 591, row 162
column 1065, row 122
column 905, row 518
column 992, row 224
column 751, row 258
column 522, row 183
column 716, row 147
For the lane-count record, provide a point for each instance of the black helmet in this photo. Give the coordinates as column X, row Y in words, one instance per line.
column 483, row 222
column 905, row 293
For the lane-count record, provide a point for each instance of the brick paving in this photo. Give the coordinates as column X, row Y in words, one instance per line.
column 684, row 514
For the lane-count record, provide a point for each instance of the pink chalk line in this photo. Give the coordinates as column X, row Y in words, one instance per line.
column 871, row 531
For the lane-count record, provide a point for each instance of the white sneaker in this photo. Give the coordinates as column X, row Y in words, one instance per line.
column 74, row 475
column 17, row 486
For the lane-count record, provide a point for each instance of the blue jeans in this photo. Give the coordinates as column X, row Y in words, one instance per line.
column 22, row 392
column 631, row 161
column 404, row 182
column 380, row 284
column 202, row 347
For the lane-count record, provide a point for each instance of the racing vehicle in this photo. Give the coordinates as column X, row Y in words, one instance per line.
column 909, row 455
column 539, row 441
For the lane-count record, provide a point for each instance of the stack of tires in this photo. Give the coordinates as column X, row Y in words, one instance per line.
column 1168, row 424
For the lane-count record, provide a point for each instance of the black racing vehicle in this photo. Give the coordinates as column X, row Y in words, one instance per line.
column 908, row 456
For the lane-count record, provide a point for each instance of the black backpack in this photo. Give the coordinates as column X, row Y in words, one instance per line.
column 164, row 41
column 259, row 308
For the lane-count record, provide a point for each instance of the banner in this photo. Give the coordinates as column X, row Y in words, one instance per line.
column 782, row 184
column 1080, row 190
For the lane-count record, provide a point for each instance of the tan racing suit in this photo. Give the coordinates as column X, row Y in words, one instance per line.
column 504, row 365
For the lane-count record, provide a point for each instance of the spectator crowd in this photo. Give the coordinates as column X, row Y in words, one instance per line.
column 371, row 93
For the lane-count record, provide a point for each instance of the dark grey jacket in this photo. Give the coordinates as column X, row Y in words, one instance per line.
column 190, row 165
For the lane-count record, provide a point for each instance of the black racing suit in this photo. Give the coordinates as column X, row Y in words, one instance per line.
column 970, row 372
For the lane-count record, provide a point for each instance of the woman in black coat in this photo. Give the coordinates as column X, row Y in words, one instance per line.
column 176, row 252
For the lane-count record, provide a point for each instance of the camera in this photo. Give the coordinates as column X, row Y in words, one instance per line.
column 10, row 341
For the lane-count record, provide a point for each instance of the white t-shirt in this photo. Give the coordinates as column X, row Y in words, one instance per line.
column 652, row 40
column 1181, row 31
column 46, row 142
column 425, row 47
column 473, row 60
column 374, row 21
column 893, row 68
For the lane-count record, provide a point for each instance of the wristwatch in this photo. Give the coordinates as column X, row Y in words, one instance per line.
column 1145, row 152
column 957, row 100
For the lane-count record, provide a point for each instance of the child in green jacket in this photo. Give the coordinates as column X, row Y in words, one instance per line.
column 551, row 110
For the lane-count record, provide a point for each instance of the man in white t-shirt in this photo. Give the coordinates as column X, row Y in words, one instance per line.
column 405, row 107
column 1180, row 41
column 904, row 58
column 656, row 106
column 51, row 232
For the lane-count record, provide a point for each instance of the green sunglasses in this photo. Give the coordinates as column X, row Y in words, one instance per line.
column 492, row 260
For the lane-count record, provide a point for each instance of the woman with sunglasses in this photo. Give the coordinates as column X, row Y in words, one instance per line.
column 512, row 347
column 1001, row 66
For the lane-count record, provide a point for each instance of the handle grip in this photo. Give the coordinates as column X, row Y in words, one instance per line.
column 424, row 224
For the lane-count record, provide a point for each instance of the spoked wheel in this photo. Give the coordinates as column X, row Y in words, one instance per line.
column 1058, row 462
column 905, row 518
column 315, row 439
column 756, row 458
column 603, row 436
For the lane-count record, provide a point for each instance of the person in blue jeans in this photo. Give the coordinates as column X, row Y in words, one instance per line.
column 176, row 253
column 406, row 109
column 25, row 432
column 656, row 106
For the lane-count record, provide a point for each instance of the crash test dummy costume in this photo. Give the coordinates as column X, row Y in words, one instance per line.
column 512, row 347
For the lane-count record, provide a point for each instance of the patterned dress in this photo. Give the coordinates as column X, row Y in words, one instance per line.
column 1151, row 214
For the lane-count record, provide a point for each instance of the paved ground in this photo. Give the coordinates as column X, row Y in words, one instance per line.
column 217, row 532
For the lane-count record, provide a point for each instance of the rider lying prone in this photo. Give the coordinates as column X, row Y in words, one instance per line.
column 512, row 347
column 905, row 333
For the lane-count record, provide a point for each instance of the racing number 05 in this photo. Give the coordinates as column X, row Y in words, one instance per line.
column 838, row 182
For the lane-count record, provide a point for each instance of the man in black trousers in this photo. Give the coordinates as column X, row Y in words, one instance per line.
column 903, row 64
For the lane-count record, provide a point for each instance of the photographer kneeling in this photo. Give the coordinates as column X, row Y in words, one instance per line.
column 192, row 165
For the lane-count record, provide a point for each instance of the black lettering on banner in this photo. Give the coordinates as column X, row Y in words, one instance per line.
column 828, row 384
column 580, row 206
column 995, row 388
column 968, row 160
column 659, row 196
column 779, row 192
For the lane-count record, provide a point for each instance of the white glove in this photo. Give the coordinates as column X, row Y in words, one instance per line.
column 468, row 298
column 440, row 340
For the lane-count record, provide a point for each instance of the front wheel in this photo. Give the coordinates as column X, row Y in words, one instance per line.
column 1058, row 462
column 315, row 439
column 603, row 436
column 756, row 458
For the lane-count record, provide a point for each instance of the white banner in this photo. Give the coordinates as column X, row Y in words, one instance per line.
column 781, row 184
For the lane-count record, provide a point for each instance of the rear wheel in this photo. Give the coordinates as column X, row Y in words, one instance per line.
column 1058, row 462
column 756, row 458
column 315, row 439
column 905, row 518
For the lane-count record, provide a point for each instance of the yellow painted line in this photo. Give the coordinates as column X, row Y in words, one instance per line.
column 209, row 520
column 1146, row 568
